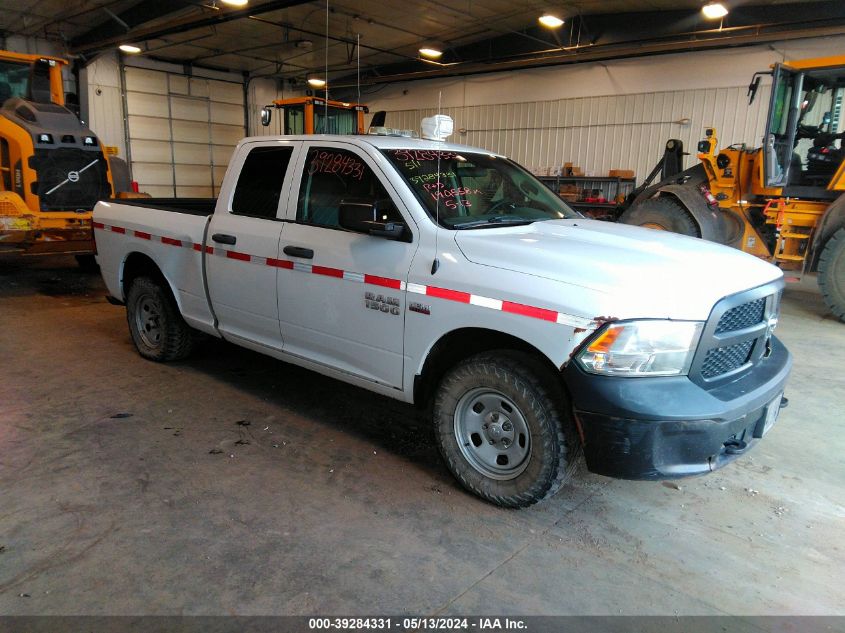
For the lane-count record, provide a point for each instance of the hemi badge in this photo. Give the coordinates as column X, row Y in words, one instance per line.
column 419, row 307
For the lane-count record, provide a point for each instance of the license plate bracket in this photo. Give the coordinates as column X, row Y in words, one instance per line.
column 769, row 417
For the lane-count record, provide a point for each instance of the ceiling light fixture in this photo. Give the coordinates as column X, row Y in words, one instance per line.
column 714, row 10
column 550, row 21
column 130, row 48
column 316, row 82
column 433, row 53
column 235, row 3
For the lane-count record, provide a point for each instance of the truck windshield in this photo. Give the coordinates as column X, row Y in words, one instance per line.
column 338, row 121
column 14, row 80
column 472, row 190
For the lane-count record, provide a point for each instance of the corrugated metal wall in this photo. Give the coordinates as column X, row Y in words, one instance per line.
column 606, row 132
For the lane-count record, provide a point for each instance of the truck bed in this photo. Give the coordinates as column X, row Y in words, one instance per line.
column 191, row 206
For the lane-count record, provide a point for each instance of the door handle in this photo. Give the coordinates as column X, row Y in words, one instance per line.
column 222, row 238
column 298, row 251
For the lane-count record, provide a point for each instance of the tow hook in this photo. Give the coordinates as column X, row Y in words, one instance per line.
column 735, row 447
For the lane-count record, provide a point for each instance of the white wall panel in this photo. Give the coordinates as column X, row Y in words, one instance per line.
column 147, row 104
column 228, row 113
column 191, row 153
column 101, row 101
column 604, row 132
column 189, row 109
column 149, row 128
column 140, row 80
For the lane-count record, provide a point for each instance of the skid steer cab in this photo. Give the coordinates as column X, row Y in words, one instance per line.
column 53, row 169
column 783, row 201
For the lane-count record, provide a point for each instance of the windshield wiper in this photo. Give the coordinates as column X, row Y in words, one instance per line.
column 496, row 220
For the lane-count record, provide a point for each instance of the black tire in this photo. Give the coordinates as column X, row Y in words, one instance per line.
column 541, row 413
column 832, row 274
column 158, row 330
column 664, row 213
column 87, row 263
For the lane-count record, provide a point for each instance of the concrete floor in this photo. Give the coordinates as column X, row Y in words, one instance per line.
column 235, row 484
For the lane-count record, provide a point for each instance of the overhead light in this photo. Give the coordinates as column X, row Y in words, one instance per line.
column 130, row 48
column 235, row 3
column 551, row 21
column 316, row 82
column 714, row 10
column 427, row 51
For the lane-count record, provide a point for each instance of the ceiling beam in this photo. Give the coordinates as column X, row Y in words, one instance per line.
column 600, row 53
column 181, row 25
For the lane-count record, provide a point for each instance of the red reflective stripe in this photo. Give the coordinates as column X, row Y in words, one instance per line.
column 451, row 295
column 243, row 257
column 118, row 229
column 375, row 280
column 280, row 263
column 329, row 272
column 99, row 225
column 209, row 250
column 529, row 311
column 197, row 247
column 171, row 241
column 142, row 235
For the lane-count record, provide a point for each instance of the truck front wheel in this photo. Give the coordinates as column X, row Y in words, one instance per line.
column 664, row 213
column 502, row 432
column 157, row 328
column 832, row 274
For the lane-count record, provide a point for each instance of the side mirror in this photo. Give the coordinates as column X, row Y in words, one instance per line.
column 360, row 216
column 266, row 116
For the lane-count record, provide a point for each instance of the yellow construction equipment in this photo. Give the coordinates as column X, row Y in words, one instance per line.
column 312, row 115
column 784, row 201
column 53, row 169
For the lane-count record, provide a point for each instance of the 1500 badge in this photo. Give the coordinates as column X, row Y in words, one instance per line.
column 388, row 305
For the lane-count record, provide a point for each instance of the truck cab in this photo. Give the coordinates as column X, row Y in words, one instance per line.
column 447, row 276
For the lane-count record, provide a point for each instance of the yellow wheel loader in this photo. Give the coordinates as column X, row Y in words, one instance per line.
column 784, row 201
column 53, row 169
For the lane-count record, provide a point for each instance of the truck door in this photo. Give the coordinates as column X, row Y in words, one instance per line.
column 784, row 111
column 244, row 242
column 343, row 302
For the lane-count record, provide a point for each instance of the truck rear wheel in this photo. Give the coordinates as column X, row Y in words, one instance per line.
column 664, row 213
column 832, row 274
column 158, row 330
column 501, row 432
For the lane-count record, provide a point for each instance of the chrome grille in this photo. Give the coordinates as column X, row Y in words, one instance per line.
column 721, row 360
column 742, row 316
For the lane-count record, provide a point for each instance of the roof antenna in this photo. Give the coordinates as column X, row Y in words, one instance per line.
column 326, row 75
column 358, row 51
column 436, row 263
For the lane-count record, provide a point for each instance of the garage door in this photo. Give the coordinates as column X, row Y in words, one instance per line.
column 182, row 131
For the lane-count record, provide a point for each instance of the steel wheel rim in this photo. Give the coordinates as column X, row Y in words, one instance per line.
column 655, row 226
column 492, row 433
column 148, row 320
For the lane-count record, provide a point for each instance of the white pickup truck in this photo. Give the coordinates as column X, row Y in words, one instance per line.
column 448, row 276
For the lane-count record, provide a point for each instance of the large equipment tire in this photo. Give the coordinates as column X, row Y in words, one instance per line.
column 664, row 213
column 504, row 430
column 158, row 330
column 832, row 274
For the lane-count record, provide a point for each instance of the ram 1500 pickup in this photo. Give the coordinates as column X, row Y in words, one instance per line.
column 449, row 277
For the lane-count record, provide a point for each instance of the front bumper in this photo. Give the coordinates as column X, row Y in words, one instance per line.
column 669, row 427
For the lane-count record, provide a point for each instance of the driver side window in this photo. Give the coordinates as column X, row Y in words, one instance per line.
column 333, row 176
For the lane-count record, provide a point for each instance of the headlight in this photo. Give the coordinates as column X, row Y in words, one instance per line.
column 642, row 348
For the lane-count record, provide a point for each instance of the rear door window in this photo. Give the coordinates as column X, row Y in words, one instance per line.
column 260, row 182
